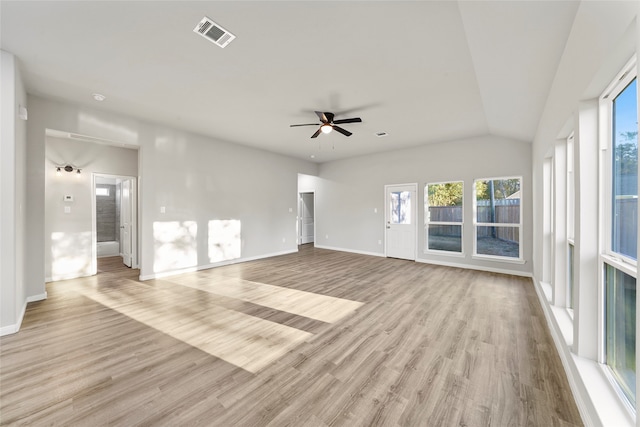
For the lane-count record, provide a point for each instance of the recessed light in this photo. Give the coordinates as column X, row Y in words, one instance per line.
column 99, row 97
column 313, row 156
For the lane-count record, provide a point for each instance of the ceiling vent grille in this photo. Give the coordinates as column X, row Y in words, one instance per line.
column 213, row 32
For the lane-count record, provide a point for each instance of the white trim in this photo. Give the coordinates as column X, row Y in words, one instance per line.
column 208, row 266
column 476, row 267
column 353, row 251
column 12, row 329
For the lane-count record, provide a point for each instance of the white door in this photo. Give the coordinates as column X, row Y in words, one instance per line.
column 306, row 218
column 126, row 216
column 401, row 216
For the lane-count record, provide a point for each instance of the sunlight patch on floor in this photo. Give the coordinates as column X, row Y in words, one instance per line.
column 248, row 342
column 308, row 304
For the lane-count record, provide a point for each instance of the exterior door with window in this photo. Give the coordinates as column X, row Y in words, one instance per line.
column 400, row 218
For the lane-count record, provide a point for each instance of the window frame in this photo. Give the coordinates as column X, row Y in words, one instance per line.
column 476, row 224
column 427, row 222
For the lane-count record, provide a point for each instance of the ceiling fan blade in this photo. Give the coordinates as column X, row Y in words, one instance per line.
column 315, row 135
column 322, row 117
column 342, row 131
column 305, row 124
column 353, row 120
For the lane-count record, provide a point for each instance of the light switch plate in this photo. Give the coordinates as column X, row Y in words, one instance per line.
column 67, row 209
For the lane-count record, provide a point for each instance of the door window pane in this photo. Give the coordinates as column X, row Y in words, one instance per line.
column 625, row 173
column 621, row 328
column 400, row 207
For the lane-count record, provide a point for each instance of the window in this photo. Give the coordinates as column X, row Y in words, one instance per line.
column 498, row 223
column 443, row 216
column 571, row 203
column 619, row 106
column 102, row 191
column 624, row 206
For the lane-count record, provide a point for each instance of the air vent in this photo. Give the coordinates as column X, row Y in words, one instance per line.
column 213, row 32
column 381, row 134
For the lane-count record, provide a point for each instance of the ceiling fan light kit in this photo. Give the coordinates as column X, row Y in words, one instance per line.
column 328, row 124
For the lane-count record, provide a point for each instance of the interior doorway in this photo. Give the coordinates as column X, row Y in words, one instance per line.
column 115, row 225
column 306, row 218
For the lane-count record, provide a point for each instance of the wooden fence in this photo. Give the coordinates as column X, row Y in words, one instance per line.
column 509, row 213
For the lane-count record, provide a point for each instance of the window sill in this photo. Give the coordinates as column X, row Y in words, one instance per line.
column 444, row 253
column 499, row 259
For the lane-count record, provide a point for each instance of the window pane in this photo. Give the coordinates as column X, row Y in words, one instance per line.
column 498, row 201
column 445, row 202
column 498, row 241
column 102, row 191
column 445, row 238
column 570, row 277
column 621, row 329
column 400, row 207
column 625, row 172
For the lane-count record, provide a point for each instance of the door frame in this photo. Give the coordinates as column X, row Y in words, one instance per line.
column 134, row 219
column 299, row 217
column 414, row 213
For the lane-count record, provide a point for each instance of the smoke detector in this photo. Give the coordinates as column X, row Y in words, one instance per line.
column 213, row 32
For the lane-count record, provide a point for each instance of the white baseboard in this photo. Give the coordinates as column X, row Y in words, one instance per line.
column 353, row 251
column 475, row 267
column 213, row 265
column 12, row 329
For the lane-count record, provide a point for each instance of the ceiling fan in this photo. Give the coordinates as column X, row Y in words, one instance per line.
column 328, row 124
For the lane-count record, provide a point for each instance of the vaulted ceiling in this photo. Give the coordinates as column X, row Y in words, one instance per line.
column 421, row 71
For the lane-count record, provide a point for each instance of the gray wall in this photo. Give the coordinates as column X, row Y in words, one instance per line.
column 349, row 192
column 201, row 183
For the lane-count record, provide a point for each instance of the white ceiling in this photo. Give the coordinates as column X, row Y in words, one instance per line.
column 422, row 71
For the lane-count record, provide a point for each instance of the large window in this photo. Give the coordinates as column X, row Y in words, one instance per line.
column 620, row 107
column 571, row 203
column 443, row 216
column 498, row 222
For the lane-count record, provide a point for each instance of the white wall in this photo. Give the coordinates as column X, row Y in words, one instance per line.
column 68, row 236
column 222, row 202
column 350, row 191
column 13, row 295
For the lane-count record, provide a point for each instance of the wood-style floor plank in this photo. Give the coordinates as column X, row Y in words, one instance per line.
column 317, row 338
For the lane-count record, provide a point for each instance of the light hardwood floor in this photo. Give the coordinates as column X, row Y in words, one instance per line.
column 316, row 338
